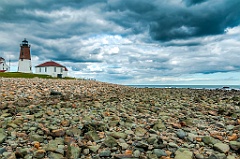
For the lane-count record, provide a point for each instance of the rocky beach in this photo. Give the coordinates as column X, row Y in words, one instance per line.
column 71, row 119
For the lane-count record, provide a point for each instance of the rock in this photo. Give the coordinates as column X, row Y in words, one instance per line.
column 124, row 146
column 39, row 154
column 118, row 135
column 58, row 133
column 172, row 144
column 209, row 140
column 136, row 153
column 105, row 153
column 183, row 154
column 159, row 152
column 181, row 134
column 110, row 142
column 54, row 155
column 73, row 151
column 36, row 137
column 94, row 148
column 224, row 148
column 55, row 93
column 3, row 135
column 217, row 156
column 140, row 131
column 235, row 145
column 53, row 144
column 159, row 125
column 2, row 150
column 92, row 135
column 21, row 152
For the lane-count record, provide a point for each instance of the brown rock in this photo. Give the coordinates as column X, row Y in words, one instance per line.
column 233, row 137
column 58, row 132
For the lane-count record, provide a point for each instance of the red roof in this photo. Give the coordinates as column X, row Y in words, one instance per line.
column 51, row 63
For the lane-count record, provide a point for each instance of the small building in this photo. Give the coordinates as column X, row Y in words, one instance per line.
column 3, row 65
column 51, row 68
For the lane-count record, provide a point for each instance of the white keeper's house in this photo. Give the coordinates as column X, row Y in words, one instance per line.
column 3, row 65
column 51, row 68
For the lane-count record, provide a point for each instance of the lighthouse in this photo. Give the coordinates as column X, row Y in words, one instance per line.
column 24, row 63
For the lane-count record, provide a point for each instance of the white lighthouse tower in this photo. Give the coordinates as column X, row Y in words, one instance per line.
column 24, row 63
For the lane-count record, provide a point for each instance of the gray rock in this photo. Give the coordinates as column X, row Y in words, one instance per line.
column 183, row 154
column 209, row 140
column 136, row 153
column 36, row 137
column 181, row 134
column 105, row 153
column 54, row 155
column 2, row 150
column 217, row 156
column 224, row 148
column 235, row 145
column 92, row 135
column 94, row 148
column 110, row 142
column 159, row 152
column 39, row 154
column 118, row 135
column 140, row 131
column 159, row 125
column 3, row 135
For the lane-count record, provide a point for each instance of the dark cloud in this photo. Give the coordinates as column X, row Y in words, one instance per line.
column 193, row 2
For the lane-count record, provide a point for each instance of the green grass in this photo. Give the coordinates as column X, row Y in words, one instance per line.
column 26, row 75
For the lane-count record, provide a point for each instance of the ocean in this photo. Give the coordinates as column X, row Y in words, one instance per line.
column 227, row 87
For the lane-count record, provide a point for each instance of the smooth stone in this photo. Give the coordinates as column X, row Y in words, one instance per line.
column 181, row 134
column 54, row 155
column 105, row 153
column 230, row 157
column 217, row 156
column 124, row 145
column 53, row 144
column 75, row 151
column 209, row 140
column 92, row 135
column 159, row 125
column 2, row 150
column 94, row 148
column 110, row 142
column 3, row 135
column 58, row 132
column 183, row 154
column 172, row 144
column 159, row 152
column 224, row 148
column 60, row 149
column 118, row 135
column 36, row 137
column 39, row 154
column 136, row 153
column 235, row 145
column 139, row 131
column 21, row 152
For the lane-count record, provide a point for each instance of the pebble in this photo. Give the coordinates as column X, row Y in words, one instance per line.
column 57, row 118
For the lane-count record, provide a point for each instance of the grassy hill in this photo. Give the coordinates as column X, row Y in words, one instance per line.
column 25, row 75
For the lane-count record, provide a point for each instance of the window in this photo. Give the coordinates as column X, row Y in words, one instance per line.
column 61, row 69
column 39, row 69
column 45, row 69
column 55, row 69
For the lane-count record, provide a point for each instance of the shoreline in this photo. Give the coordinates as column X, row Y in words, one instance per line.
column 51, row 118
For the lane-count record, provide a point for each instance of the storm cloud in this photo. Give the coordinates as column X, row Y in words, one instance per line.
column 127, row 42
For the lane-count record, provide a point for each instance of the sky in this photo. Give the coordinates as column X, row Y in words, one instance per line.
column 128, row 41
